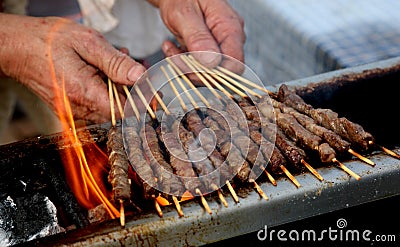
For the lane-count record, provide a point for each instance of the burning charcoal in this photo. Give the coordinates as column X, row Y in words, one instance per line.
column 26, row 218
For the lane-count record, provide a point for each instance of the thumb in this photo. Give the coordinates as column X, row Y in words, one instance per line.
column 117, row 65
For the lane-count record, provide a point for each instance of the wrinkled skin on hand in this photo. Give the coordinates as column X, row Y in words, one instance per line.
column 49, row 54
column 204, row 25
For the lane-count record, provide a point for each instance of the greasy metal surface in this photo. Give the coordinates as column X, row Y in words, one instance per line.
column 285, row 204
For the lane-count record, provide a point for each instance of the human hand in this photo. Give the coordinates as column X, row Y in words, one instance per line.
column 49, row 54
column 206, row 25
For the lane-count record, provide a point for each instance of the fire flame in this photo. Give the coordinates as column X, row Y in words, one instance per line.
column 86, row 181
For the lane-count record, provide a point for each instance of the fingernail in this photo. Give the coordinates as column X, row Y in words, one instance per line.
column 209, row 59
column 135, row 73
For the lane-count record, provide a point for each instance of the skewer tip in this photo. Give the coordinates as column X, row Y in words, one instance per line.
column 232, row 191
column 270, row 178
column 312, row 170
column 158, row 208
column 259, row 190
column 122, row 213
column 366, row 160
column 204, row 202
column 290, row 176
column 389, row 152
column 177, row 206
column 220, row 195
column 346, row 169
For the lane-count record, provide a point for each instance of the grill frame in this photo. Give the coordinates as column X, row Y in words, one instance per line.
column 286, row 203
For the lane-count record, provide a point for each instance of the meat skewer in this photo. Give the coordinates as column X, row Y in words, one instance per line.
column 195, row 125
column 307, row 139
column 295, row 131
column 118, row 162
column 352, row 132
column 173, row 185
column 180, row 161
column 295, row 155
column 277, row 160
column 169, row 184
column 253, row 155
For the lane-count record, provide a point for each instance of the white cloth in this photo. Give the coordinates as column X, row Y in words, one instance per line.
column 97, row 14
column 140, row 28
column 134, row 24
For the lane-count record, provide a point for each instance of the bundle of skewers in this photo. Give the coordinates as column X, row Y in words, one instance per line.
column 256, row 136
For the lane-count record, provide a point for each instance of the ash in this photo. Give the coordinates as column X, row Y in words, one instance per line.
column 26, row 218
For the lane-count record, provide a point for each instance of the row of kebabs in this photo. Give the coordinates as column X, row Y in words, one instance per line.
column 277, row 132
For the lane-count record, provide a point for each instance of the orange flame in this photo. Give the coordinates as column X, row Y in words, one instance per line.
column 86, row 181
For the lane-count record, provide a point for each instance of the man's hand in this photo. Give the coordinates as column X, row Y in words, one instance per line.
column 49, row 54
column 204, row 25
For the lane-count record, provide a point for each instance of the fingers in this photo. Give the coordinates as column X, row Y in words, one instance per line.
column 117, row 65
column 185, row 19
column 207, row 25
column 170, row 49
column 227, row 27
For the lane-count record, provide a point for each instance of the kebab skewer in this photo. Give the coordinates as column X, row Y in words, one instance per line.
column 169, row 184
column 295, row 155
column 277, row 161
column 250, row 151
column 308, row 140
column 118, row 162
column 180, row 161
column 203, row 163
column 350, row 131
column 195, row 125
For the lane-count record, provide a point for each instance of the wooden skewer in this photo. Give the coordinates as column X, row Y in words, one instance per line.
column 309, row 167
column 111, row 97
column 121, row 110
column 232, row 191
column 209, row 78
column 241, row 78
column 258, row 189
column 368, row 161
column 132, row 103
column 290, row 176
column 177, row 206
column 226, row 78
column 312, row 170
column 220, row 195
column 386, row 150
column 135, row 109
column 204, row 201
column 176, row 92
column 203, row 80
column 186, row 79
column 270, row 177
column 182, row 85
column 113, row 122
column 346, row 169
column 158, row 208
column 218, row 76
column 158, row 98
column 122, row 213
column 143, row 99
column 390, row 152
